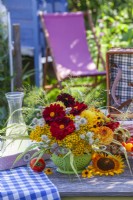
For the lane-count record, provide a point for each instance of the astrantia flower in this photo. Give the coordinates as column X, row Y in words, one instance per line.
column 68, row 109
column 67, row 99
column 89, row 134
column 53, row 112
column 44, row 137
column 77, row 118
column 82, row 136
column 91, row 140
column 62, row 127
column 107, row 164
column 34, row 121
column 78, row 108
column 83, row 121
column 77, row 127
column 41, row 122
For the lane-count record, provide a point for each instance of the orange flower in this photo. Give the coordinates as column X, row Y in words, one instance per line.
column 104, row 134
column 128, row 146
column 48, row 171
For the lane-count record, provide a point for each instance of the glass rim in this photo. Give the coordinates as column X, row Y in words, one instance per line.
column 14, row 94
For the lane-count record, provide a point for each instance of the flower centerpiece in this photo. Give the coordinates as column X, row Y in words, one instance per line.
column 74, row 134
column 71, row 129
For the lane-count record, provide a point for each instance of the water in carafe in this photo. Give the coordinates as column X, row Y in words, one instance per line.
column 16, row 126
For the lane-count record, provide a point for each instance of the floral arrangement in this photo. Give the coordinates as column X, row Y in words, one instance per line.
column 72, row 127
column 68, row 126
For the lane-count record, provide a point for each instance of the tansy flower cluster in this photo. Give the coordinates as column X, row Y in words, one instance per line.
column 68, row 125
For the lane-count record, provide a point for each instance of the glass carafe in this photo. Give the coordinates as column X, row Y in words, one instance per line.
column 16, row 126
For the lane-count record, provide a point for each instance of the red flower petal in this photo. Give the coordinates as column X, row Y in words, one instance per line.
column 62, row 127
column 113, row 125
column 67, row 99
column 78, row 108
column 53, row 112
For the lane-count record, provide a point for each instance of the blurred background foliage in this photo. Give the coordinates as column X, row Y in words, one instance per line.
column 5, row 78
column 114, row 28
column 4, row 65
column 112, row 20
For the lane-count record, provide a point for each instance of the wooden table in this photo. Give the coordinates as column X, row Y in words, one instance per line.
column 118, row 187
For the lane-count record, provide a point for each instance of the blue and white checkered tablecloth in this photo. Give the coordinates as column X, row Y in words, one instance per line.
column 24, row 184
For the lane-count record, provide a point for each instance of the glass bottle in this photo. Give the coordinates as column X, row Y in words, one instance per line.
column 16, row 125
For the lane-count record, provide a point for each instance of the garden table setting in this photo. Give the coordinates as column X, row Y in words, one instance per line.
column 70, row 150
column 22, row 183
column 66, row 123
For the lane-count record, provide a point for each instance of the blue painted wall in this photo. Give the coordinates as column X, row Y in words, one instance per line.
column 25, row 13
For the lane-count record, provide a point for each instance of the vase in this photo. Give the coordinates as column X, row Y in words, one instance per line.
column 15, row 125
column 64, row 165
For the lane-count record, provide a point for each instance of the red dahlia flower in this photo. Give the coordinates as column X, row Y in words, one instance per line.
column 112, row 124
column 53, row 112
column 78, row 108
column 130, row 140
column 62, row 127
column 67, row 99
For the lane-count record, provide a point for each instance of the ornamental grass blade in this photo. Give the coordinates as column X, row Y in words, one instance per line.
column 124, row 131
column 69, row 152
column 126, row 156
column 72, row 164
column 40, row 156
column 31, row 147
column 35, row 154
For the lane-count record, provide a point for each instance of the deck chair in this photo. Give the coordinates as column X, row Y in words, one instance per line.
column 67, row 45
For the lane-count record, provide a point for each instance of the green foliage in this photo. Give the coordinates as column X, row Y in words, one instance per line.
column 34, row 98
column 4, row 61
column 5, row 78
column 27, row 71
column 4, row 70
column 112, row 20
column 37, row 97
